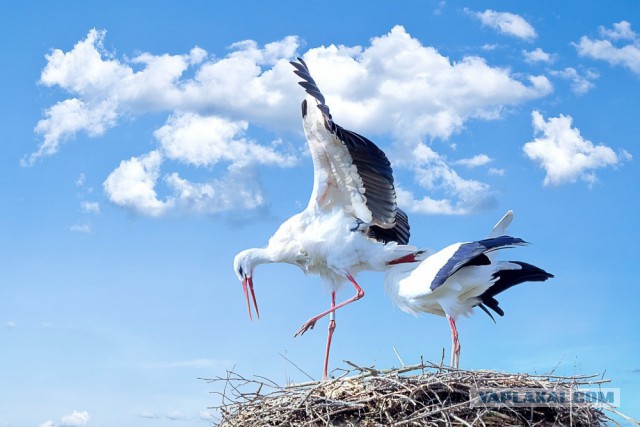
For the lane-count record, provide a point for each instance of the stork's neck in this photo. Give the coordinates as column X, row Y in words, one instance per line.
column 257, row 256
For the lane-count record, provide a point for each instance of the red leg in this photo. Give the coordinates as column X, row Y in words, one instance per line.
column 309, row 324
column 332, row 327
column 455, row 343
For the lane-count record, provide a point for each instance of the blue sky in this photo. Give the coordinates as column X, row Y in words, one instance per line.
column 144, row 145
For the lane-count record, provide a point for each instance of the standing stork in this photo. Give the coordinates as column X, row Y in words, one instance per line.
column 351, row 223
column 460, row 277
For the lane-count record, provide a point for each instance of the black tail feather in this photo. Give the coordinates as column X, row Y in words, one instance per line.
column 482, row 306
column 507, row 279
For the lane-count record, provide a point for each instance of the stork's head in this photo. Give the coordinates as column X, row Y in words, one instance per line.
column 243, row 265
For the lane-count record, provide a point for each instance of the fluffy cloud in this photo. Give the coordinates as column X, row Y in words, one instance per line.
column 204, row 141
column 506, row 23
column 395, row 86
column 604, row 49
column 537, row 55
column 382, row 88
column 238, row 190
column 564, row 154
column 105, row 88
column 133, row 185
column 401, row 87
column 458, row 195
column 68, row 117
column 75, row 419
column 620, row 31
column 475, row 161
column 580, row 83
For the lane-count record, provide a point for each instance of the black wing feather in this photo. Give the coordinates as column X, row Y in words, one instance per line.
column 372, row 164
column 472, row 253
column 400, row 233
column 509, row 278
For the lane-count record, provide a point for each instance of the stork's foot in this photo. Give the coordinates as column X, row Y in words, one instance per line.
column 309, row 324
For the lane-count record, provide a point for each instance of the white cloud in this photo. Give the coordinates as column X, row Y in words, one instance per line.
column 563, row 153
column 411, row 91
column 506, row 23
column 81, row 228
column 90, row 207
column 10, row 324
column 132, row 185
column 537, row 55
column 203, row 141
column 603, row 49
column 430, row 88
column 475, row 161
column 68, row 117
column 580, row 83
column 395, row 86
column 75, row 419
column 106, row 88
column 457, row 195
column 237, row 190
column 84, row 69
column 620, row 31
column 496, row 171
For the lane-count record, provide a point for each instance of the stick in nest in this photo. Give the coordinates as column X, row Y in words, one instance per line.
column 417, row 395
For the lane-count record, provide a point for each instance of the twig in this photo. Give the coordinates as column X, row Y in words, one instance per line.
column 421, row 394
column 398, row 356
column 296, row 366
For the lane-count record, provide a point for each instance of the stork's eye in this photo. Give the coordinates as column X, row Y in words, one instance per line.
column 240, row 271
column 304, row 108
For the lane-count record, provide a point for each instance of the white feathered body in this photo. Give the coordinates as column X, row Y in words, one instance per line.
column 409, row 286
column 333, row 246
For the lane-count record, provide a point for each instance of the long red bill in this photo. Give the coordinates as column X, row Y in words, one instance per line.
column 253, row 295
column 246, row 295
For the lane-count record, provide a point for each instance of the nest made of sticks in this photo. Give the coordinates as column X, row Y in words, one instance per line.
column 420, row 395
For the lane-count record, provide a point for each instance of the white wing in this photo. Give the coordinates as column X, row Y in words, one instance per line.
column 350, row 171
column 500, row 229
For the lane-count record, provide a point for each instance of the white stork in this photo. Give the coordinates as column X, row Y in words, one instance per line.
column 351, row 223
column 460, row 277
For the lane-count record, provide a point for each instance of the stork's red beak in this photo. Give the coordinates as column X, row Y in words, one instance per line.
column 247, row 285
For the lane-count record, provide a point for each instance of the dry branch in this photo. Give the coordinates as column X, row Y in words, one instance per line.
column 368, row 397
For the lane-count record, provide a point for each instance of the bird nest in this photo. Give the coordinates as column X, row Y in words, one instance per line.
column 420, row 395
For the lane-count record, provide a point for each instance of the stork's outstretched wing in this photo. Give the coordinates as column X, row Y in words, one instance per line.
column 350, row 169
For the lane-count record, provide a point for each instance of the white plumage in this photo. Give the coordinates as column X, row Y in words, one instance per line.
column 454, row 280
column 351, row 223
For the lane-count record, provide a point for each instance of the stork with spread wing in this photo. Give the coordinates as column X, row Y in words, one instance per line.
column 352, row 222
